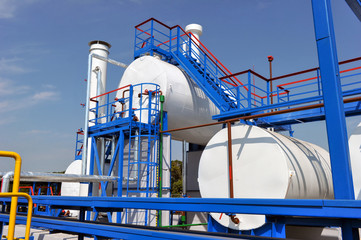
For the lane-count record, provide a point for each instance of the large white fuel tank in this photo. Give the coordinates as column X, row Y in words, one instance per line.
column 185, row 102
column 355, row 158
column 265, row 165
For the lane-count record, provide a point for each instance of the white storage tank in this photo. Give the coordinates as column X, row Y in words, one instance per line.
column 185, row 102
column 355, row 158
column 265, row 165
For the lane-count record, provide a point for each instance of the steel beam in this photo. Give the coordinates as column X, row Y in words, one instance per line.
column 346, row 209
column 121, row 231
column 332, row 95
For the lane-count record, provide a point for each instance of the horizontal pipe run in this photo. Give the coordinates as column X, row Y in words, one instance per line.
column 92, row 99
column 185, row 225
column 51, row 177
column 319, row 105
column 111, row 61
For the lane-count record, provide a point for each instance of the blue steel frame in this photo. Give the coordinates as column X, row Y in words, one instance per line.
column 279, row 211
column 129, row 123
column 344, row 213
column 328, row 89
column 334, row 109
column 237, row 94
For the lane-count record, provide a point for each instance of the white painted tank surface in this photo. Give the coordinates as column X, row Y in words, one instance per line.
column 72, row 188
column 265, row 165
column 355, row 158
column 185, row 102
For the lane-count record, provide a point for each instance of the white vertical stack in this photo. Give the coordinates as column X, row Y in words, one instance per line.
column 98, row 79
column 196, row 31
column 96, row 86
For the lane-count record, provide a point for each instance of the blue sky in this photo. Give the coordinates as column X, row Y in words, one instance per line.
column 43, row 62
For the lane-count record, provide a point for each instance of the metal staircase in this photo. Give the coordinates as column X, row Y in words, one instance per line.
column 244, row 93
column 179, row 47
column 219, row 93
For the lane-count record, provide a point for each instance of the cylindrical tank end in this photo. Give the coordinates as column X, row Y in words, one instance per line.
column 195, row 29
column 99, row 45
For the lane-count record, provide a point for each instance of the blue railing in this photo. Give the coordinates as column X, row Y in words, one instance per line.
column 79, row 144
column 119, row 104
column 246, row 90
column 173, row 43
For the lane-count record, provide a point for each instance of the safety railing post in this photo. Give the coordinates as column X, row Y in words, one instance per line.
column 130, row 102
column 96, row 112
column 189, row 45
column 178, row 36
column 205, row 68
column 151, row 37
column 249, row 95
column 170, row 40
column 318, row 82
column 108, row 105
column 268, row 93
column 238, row 97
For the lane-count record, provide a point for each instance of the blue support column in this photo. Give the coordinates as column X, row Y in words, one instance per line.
column 334, row 110
column 120, row 171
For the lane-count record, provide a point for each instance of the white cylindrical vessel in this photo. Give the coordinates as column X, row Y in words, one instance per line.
column 265, row 165
column 355, row 158
column 98, row 78
column 185, row 103
column 196, row 31
column 96, row 86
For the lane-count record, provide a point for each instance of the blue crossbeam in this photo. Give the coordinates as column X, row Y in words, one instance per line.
column 272, row 207
column 118, row 231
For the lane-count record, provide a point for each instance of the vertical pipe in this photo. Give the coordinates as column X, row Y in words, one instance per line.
column 86, row 140
column 160, row 189
column 270, row 59
column 184, row 168
column 230, row 164
column 16, row 183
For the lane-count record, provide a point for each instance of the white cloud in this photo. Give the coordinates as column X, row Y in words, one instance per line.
column 48, row 86
column 264, row 4
column 15, row 98
column 45, row 95
column 8, row 8
column 37, row 131
column 7, row 119
column 8, row 87
column 12, row 65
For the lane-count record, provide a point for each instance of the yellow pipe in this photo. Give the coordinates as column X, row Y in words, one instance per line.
column 16, row 183
column 28, row 217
